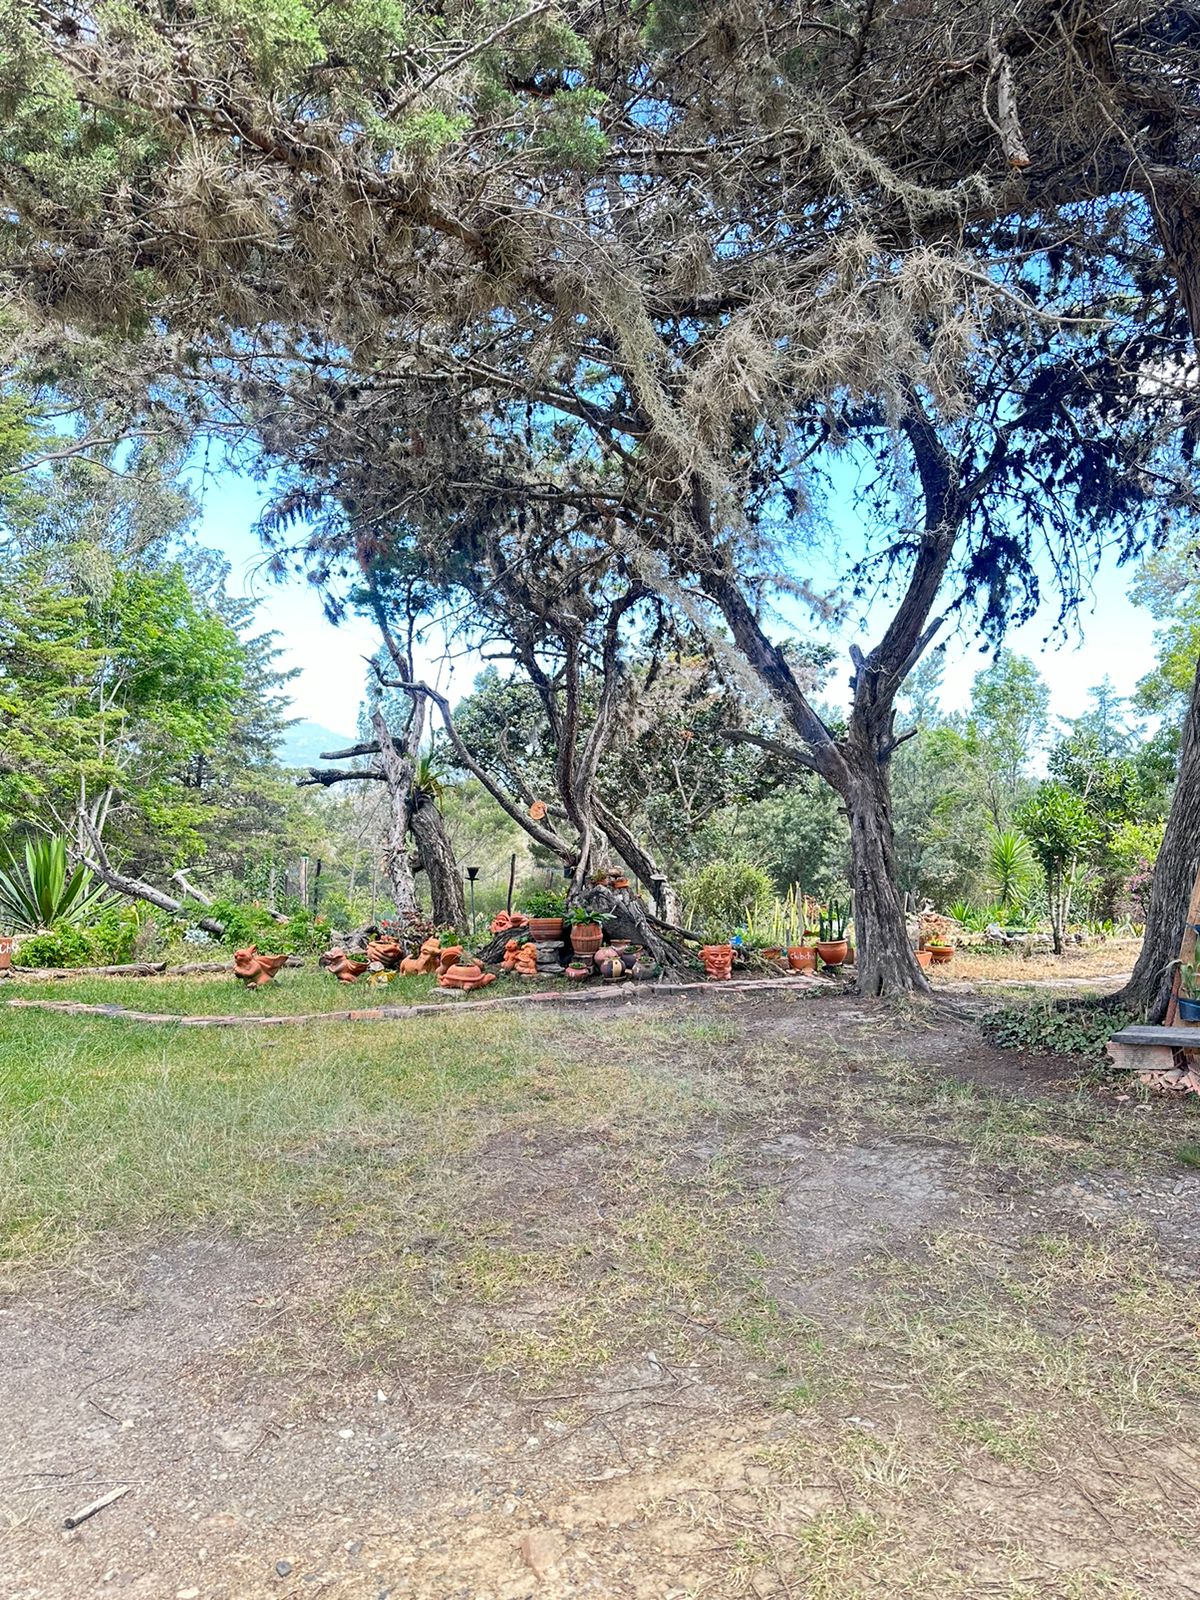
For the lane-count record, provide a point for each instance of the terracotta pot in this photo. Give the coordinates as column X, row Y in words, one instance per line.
column 546, row 929
column 611, row 963
column 833, row 951
column 578, row 974
column 717, row 959
column 6, row 951
column 924, row 957
column 939, row 954
column 802, row 958
column 586, row 938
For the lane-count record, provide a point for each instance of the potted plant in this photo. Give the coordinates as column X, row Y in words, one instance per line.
column 586, row 930
column 832, row 944
column 1188, row 1002
column 545, row 908
column 940, row 949
column 924, row 957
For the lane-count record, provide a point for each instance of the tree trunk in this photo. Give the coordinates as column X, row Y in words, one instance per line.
column 397, row 777
column 885, row 960
column 437, row 858
column 1149, row 988
column 642, row 864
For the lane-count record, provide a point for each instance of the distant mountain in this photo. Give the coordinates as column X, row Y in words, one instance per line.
column 302, row 743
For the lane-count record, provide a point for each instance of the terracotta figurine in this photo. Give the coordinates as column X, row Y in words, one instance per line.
column 255, row 970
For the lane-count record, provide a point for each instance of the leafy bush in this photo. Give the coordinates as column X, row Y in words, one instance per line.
column 305, row 934
column 544, row 902
column 1050, row 1030
column 114, row 935
column 726, row 894
column 61, row 947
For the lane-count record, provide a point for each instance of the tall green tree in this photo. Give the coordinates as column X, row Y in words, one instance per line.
column 1010, row 716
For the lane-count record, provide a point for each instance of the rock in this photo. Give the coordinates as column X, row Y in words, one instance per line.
column 283, row 1568
column 539, row 1551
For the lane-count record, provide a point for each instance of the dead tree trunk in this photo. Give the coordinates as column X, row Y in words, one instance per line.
column 1149, row 987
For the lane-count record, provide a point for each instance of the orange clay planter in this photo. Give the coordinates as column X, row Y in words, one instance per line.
column 924, row 957
column 545, row 930
column 255, row 970
column 833, row 951
column 802, row 958
column 6, row 951
column 346, row 969
column 939, row 954
column 717, row 959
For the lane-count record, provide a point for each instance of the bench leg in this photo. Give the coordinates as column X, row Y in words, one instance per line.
column 1141, row 1058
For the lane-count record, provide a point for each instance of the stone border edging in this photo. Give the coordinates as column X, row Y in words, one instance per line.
column 626, row 993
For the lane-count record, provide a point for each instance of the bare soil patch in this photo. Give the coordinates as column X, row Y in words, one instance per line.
column 872, row 1313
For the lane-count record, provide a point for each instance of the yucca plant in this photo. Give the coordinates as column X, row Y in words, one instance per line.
column 1011, row 868
column 39, row 889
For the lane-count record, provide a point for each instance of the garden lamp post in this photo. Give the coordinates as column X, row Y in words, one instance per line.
column 472, row 874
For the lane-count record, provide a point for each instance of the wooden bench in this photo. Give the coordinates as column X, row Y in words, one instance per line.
column 1147, row 1049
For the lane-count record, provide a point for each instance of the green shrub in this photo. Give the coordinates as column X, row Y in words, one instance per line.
column 725, row 895
column 544, row 902
column 114, row 935
column 304, row 935
column 61, row 947
column 1050, row 1030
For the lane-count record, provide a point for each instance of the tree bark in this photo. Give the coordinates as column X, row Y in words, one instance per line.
column 397, row 772
column 641, row 863
column 441, row 868
column 885, row 960
column 1149, row 988
column 1148, row 992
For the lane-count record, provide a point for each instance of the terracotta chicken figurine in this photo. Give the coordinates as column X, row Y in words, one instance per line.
column 255, row 970
column 345, row 968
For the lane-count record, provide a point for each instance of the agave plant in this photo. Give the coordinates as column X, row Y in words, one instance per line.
column 40, row 889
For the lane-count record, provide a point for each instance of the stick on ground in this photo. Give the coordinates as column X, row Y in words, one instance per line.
column 96, row 1505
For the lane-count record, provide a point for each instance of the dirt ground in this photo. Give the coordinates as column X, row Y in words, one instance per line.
column 865, row 1324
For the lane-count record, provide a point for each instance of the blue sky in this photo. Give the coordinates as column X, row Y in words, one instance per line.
column 1115, row 637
